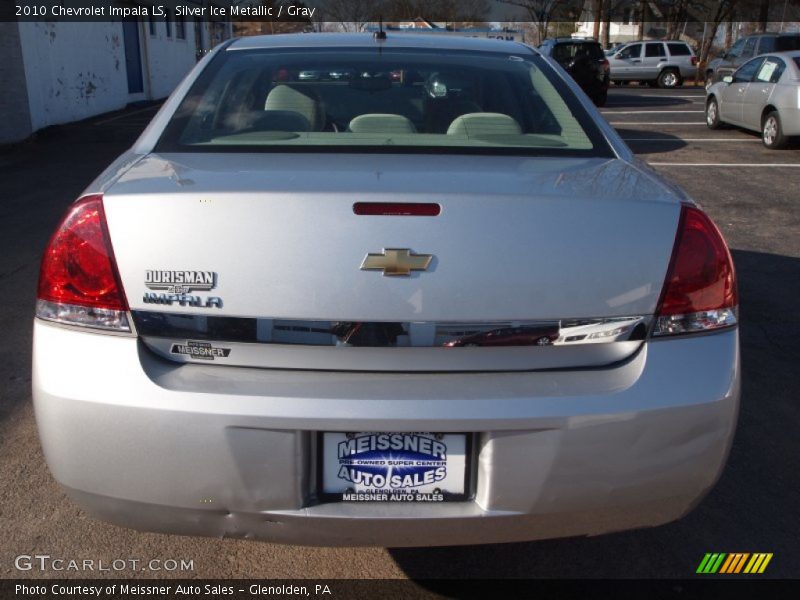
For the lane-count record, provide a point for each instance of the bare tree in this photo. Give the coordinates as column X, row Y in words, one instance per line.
column 351, row 15
column 676, row 13
column 461, row 11
column 471, row 12
column 763, row 15
column 643, row 13
column 597, row 10
column 728, row 33
column 541, row 13
column 612, row 10
column 722, row 11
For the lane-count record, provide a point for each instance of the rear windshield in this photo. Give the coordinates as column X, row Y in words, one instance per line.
column 569, row 50
column 393, row 100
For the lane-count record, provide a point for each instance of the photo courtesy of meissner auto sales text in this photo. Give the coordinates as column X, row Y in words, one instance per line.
column 399, row 299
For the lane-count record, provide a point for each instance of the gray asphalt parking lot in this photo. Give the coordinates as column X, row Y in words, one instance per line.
column 752, row 194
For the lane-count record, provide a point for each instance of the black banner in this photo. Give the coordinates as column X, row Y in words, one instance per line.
column 453, row 13
column 347, row 589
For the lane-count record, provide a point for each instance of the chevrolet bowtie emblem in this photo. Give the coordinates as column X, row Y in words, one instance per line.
column 396, row 262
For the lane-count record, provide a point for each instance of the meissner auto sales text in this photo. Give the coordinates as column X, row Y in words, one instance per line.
column 198, row 12
column 125, row 589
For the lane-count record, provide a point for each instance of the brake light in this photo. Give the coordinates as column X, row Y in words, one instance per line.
column 694, row 61
column 402, row 209
column 700, row 290
column 78, row 279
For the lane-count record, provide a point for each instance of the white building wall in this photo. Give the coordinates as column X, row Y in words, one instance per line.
column 168, row 59
column 73, row 70
column 618, row 32
column 15, row 124
column 77, row 70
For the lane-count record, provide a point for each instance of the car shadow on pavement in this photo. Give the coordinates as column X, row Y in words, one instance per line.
column 650, row 142
column 751, row 509
column 623, row 100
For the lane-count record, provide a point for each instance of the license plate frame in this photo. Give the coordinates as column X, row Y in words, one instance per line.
column 465, row 479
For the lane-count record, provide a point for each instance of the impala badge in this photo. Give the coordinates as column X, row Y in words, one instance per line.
column 396, row 262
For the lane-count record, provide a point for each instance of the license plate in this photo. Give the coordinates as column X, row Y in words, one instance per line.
column 394, row 467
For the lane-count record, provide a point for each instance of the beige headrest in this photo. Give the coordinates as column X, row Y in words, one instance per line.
column 483, row 124
column 381, row 123
column 283, row 97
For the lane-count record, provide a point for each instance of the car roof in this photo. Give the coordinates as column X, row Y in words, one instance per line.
column 777, row 54
column 393, row 39
column 571, row 39
column 768, row 34
column 565, row 42
column 656, row 42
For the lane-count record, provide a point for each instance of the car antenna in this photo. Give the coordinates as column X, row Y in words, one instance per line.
column 380, row 34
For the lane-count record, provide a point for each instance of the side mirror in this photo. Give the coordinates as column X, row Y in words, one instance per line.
column 727, row 79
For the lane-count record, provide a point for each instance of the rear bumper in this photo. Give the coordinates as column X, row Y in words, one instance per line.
column 224, row 451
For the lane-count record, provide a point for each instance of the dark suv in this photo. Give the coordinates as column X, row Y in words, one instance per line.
column 748, row 47
column 585, row 60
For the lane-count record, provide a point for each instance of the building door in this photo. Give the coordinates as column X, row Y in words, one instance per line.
column 199, row 47
column 133, row 58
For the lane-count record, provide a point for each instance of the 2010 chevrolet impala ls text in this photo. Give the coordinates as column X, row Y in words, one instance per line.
column 425, row 297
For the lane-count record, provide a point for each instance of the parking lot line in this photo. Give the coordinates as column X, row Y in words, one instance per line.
column 648, row 112
column 732, row 165
column 658, row 123
column 677, row 139
column 628, row 104
column 698, row 95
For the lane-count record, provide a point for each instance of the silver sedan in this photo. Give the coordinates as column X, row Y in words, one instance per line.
column 762, row 95
column 440, row 302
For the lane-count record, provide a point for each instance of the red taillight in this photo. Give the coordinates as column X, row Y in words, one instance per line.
column 694, row 61
column 402, row 209
column 78, row 264
column 700, row 289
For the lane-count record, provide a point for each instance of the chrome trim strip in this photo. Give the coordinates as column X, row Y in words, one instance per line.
column 443, row 334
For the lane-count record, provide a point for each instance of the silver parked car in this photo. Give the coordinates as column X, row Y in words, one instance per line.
column 666, row 64
column 762, row 95
column 446, row 306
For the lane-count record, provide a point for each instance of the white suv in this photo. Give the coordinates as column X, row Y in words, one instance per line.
column 666, row 64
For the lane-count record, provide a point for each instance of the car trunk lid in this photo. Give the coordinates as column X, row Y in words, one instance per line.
column 270, row 251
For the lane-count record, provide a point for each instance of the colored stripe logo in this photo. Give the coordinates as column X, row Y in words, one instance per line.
column 734, row 563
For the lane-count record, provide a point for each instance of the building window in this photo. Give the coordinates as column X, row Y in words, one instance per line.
column 180, row 28
column 152, row 24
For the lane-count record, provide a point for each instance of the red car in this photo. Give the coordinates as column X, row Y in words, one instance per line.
column 510, row 336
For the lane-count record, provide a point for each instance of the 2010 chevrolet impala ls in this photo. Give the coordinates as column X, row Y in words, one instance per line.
column 398, row 291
